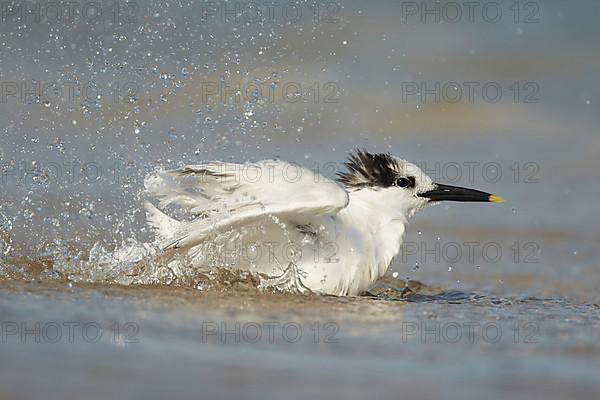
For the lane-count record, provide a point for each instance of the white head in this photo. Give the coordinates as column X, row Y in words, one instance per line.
column 398, row 187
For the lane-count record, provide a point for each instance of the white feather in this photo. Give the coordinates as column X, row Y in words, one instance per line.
column 163, row 225
column 227, row 194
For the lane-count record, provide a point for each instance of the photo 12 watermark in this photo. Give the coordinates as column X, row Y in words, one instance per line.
column 68, row 332
column 269, row 92
column 470, row 12
column 311, row 249
column 260, row 12
column 269, row 332
column 469, row 92
column 51, row 92
column 69, row 12
column 69, row 172
column 469, row 332
column 469, row 252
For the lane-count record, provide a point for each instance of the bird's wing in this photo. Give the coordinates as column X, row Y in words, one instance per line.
column 224, row 195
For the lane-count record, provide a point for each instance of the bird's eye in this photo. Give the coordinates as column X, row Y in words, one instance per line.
column 405, row 182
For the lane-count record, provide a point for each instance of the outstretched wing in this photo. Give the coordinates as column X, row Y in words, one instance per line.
column 219, row 196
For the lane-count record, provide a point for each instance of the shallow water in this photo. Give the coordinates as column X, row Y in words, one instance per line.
column 520, row 323
column 487, row 331
column 186, row 342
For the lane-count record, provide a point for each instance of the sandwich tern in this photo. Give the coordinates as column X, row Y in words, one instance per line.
column 297, row 228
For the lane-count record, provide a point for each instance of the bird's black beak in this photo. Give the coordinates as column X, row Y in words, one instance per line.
column 454, row 193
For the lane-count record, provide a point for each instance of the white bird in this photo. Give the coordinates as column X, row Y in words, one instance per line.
column 292, row 224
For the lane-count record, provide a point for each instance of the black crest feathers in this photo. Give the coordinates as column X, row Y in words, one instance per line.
column 365, row 169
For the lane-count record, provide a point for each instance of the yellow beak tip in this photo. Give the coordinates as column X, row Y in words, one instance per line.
column 495, row 199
